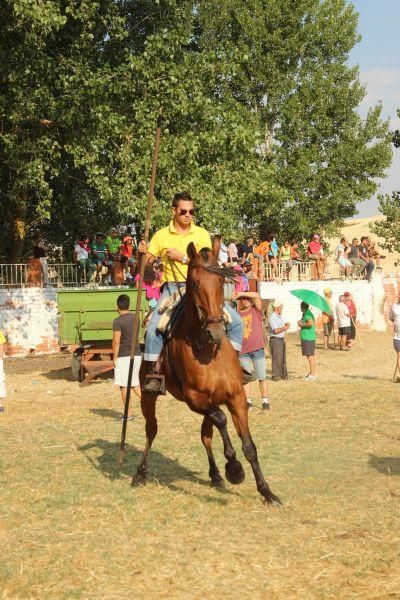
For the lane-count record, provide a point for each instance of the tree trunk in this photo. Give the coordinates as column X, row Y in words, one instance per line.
column 18, row 231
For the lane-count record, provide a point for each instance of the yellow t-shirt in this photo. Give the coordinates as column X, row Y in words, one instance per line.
column 168, row 237
column 2, row 338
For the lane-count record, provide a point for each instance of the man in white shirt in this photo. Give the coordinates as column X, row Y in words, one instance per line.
column 344, row 322
column 394, row 316
column 277, row 345
column 81, row 257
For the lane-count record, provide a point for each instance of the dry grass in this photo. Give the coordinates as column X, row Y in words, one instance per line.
column 72, row 527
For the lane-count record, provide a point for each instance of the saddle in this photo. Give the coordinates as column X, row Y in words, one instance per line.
column 171, row 310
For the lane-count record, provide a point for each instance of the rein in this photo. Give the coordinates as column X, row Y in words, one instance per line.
column 224, row 272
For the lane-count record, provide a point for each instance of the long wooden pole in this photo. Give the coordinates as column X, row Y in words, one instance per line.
column 136, row 323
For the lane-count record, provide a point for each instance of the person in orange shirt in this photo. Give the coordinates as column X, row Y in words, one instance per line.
column 261, row 252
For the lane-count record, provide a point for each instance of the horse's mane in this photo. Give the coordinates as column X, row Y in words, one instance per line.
column 225, row 272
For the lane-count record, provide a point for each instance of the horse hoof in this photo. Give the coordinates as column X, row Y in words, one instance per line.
column 273, row 500
column 138, row 479
column 218, row 483
column 234, row 472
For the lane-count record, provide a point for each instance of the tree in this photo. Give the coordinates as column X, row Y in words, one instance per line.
column 389, row 228
column 259, row 105
column 288, row 66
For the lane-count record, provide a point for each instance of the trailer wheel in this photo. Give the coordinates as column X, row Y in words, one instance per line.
column 76, row 371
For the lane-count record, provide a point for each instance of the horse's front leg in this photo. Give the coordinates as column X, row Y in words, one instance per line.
column 148, row 405
column 233, row 469
column 240, row 418
column 206, row 438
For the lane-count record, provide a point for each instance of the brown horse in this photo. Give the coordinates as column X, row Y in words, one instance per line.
column 202, row 369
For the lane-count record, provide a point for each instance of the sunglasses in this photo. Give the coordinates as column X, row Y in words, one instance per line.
column 183, row 211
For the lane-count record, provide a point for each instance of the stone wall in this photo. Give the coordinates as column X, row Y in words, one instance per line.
column 29, row 320
column 29, row 316
column 373, row 299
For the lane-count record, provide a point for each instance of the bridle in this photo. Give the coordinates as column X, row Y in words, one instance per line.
column 203, row 320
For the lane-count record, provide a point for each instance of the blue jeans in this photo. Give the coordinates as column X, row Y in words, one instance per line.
column 255, row 359
column 155, row 341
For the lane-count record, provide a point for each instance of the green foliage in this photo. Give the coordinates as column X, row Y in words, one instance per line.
column 259, row 105
column 389, row 229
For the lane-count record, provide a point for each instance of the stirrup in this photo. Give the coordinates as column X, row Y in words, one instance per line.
column 154, row 383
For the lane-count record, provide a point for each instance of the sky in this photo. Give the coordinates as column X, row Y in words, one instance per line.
column 378, row 57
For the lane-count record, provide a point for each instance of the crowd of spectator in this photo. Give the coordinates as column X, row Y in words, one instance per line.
column 100, row 257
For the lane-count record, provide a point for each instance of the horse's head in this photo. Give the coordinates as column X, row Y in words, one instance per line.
column 205, row 290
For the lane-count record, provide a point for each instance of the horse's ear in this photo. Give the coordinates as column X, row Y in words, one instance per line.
column 216, row 246
column 191, row 251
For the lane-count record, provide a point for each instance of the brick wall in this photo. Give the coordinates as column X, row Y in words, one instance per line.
column 29, row 316
column 366, row 296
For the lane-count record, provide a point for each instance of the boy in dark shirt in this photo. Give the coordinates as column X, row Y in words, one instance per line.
column 122, row 350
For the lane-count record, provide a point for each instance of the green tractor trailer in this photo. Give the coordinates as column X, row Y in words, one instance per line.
column 85, row 320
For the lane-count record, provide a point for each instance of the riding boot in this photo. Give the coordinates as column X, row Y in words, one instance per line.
column 153, row 381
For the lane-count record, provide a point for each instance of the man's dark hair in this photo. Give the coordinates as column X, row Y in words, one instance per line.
column 84, row 236
column 304, row 306
column 123, row 302
column 363, row 238
column 185, row 196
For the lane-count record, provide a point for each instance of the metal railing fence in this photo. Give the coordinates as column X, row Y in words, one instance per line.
column 60, row 275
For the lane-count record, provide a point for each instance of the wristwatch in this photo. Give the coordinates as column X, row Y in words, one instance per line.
column 185, row 259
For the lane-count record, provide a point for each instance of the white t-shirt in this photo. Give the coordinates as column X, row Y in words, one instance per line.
column 343, row 315
column 81, row 253
column 394, row 315
column 223, row 254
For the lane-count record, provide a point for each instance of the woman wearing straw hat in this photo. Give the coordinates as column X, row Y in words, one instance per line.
column 327, row 319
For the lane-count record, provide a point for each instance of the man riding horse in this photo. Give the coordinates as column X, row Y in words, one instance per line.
column 170, row 244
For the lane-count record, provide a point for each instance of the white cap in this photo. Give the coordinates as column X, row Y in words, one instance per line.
column 277, row 303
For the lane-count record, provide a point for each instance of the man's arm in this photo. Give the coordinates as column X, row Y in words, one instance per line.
column 116, row 341
column 306, row 324
column 254, row 295
column 280, row 329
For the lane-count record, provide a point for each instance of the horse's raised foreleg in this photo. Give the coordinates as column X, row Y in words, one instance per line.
column 233, row 469
column 240, row 419
column 206, row 438
column 148, row 405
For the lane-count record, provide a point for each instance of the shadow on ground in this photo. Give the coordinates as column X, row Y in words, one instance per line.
column 59, row 374
column 163, row 470
column 387, row 465
column 366, row 377
column 106, row 412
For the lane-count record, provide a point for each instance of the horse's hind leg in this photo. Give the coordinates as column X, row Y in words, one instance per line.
column 148, row 405
column 240, row 419
column 206, row 438
column 233, row 469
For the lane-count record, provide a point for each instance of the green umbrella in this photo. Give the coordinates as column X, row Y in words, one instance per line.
column 313, row 299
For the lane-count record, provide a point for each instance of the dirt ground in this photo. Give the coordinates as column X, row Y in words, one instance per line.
column 71, row 525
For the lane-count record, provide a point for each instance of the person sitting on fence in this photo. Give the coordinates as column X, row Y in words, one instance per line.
column 364, row 255
column 342, row 252
column 82, row 251
column 232, row 252
column 98, row 255
column 127, row 253
column 223, row 257
column 40, row 252
column 285, row 259
column 295, row 255
column 247, row 249
column 374, row 253
column 357, row 262
column 273, row 253
column 113, row 244
column 315, row 251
